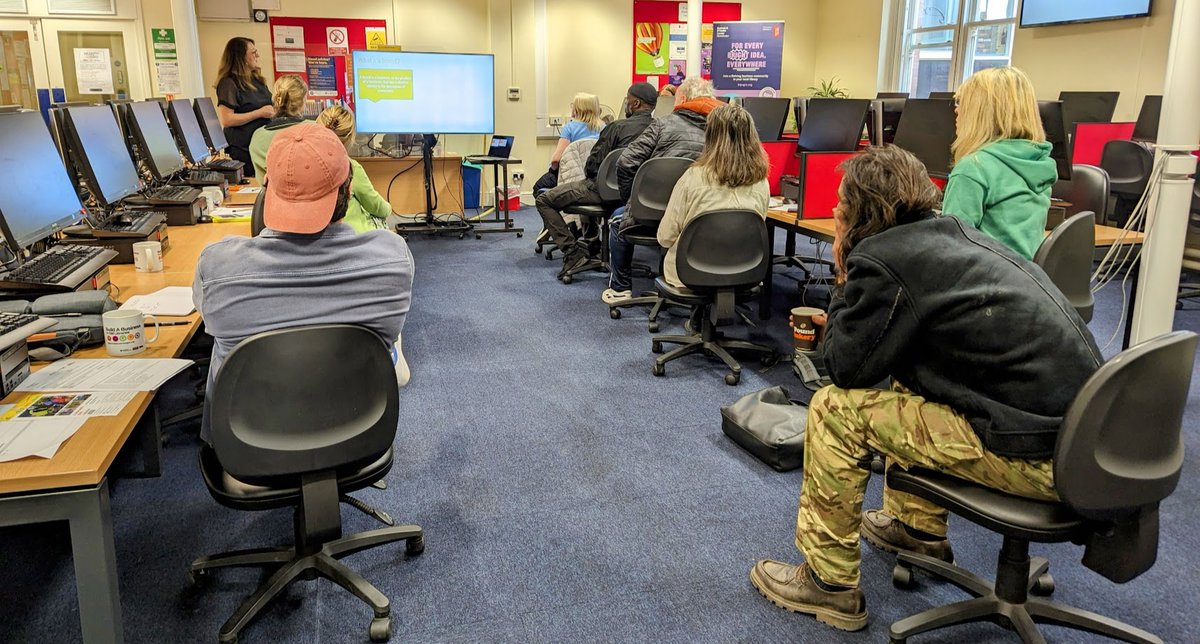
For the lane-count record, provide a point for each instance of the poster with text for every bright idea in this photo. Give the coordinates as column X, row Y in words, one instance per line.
column 747, row 57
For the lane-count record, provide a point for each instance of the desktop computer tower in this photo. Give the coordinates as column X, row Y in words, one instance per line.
column 184, row 214
column 14, row 367
column 124, row 245
column 232, row 177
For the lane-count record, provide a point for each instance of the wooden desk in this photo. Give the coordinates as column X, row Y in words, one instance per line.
column 239, row 197
column 408, row 190
column 72, row 485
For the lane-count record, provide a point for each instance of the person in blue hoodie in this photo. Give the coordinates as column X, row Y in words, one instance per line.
column 1002, row 172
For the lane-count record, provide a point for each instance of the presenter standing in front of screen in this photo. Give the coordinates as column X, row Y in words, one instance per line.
column 243, row 98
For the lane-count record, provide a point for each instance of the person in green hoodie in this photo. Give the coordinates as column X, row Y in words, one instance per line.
column 368, row 209
column 1002, row 172
column 288, row 95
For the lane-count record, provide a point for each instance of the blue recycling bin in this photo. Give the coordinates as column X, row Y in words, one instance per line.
column 470, row 180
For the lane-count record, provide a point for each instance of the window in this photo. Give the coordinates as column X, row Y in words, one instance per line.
column 942, row 42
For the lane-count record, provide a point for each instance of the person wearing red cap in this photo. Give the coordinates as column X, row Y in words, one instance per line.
column 306, row 267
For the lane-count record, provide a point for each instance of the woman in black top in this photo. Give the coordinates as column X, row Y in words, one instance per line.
column 243, row 99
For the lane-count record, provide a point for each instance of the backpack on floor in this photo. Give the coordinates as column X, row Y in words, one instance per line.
column 769, row 425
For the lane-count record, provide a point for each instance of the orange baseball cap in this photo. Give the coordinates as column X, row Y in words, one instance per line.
column 306, row 165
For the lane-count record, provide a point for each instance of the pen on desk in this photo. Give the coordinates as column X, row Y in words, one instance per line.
column 175, row 323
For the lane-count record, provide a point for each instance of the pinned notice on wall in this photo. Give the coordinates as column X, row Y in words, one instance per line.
column 290, row 61
column 93, row 70
column 337, row 41
column 288, row 37
column 376, row 37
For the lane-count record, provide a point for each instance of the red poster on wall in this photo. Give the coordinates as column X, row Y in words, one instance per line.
column 660, row 39
column 318, row 50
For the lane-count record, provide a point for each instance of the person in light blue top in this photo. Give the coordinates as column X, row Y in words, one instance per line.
column 585, row 123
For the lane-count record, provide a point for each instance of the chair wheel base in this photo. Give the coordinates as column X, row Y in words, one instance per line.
column 381, row 629
column 415, row 545
column 732, row 378
column 566, row 279
column 614, row 313
column 1044, row 586
column 658, row 370
column 903, row 577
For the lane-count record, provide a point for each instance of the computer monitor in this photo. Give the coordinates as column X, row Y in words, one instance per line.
column 664, row 106
column 210, row 125
column 1146, row 128
column 153, row 139
column 927, row 130
column 941, row 95
column 833, row 124
column 1056, row 134
column 892, row 95
column 769, row 114
column 187, row 130
column 883, row 119
column 37, row 196
column 723, row 99
column 98, row 149
column 1088, row 107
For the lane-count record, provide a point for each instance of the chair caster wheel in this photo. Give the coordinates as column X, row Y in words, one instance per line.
column 1044, row 586
column 520, row 235
column 897, row 640
column 415, row 545
column 658, row 370
column 198, row 577
column 656, row 347
column 227, row 639
column 550, row 254
column 462, row 236
column 381, row 629
column 653, row 326
column 769, row 360
column 537, row 250
column 567, row 279
column 732, row 378
column 478, row 236
column 902, row 577
column 614, row 313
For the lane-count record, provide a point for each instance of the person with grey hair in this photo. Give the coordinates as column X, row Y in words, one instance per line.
column 678, row 134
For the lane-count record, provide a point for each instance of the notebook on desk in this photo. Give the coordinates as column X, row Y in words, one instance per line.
column 499, row 150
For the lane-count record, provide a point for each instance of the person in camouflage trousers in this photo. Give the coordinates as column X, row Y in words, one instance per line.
column 985, row 356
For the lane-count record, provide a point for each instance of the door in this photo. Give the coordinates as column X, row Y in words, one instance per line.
column 22, row 62
column 96, row 60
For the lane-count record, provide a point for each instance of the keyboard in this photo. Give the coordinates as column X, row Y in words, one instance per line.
column 62, row 268
column 224, row 164
column 15, row 327
column 203, row 176
column 172, row 195
column 141, row 223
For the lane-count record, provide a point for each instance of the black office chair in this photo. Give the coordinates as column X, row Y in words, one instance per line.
column 1118, row 455
column 722, row 258
column 652, row 186
column 1128, row 165
column 1066, row 256
column 301, row 417
column 606, row 177
column 256, row 213
column 1086, row 190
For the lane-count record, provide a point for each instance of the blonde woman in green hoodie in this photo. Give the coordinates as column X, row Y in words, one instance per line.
column 368, row 209
column 1002, row 172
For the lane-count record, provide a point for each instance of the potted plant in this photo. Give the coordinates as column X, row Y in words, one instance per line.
column 829, row 89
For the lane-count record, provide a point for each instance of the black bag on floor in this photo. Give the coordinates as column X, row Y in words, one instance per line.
column 769, row 425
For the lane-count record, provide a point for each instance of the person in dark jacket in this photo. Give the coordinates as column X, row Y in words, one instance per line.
column 639, row 108
column 678, row 134
column 985, row 356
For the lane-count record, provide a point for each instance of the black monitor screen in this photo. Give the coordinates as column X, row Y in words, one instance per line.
column 99, row 148
column 154, row 138
column 1087, row 107
column 1056, row 133
column 209, row 123
column 37, row 196
column 889, row 117
column 187, row 130
column 927, row 130
column 769, row 114
column 892, row 95
column 1146, row 128
column 941, row 95
column 833, row 124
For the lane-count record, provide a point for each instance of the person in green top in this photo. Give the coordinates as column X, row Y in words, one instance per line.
column 1002, row 172
column 368, row 209
column 288, row 95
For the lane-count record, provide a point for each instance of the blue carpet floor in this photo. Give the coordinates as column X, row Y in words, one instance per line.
column 566, row 493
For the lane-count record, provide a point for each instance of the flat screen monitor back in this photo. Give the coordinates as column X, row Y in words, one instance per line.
column 891, row 109
column 210, row 125
column 37, row 196
column 941, row 95
column 1146, row 128
column 187, row 130
column 769, row 114
column 927, row 130
column 154, row 138
column 99, row 148
column 1056, row 134
column 1087, row 107
column 833, row 124
column 892, row 95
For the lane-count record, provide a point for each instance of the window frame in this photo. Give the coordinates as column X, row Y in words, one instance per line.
column 960, row 42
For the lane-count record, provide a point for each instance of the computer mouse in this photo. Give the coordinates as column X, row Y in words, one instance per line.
column 204, row 219
column 124, row 220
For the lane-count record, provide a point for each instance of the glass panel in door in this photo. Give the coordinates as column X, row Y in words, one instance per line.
column 22, row 63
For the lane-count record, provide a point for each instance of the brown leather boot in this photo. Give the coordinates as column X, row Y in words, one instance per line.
column 888, row 534
column 792, row 587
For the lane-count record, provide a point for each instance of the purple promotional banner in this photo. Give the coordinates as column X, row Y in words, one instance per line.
column 747, row 57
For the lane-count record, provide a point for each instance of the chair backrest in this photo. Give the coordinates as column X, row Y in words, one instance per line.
column 1127, row 162
column 574, row 158
column 256, row 213
column 723, row 249
column 301, row 400
column 1119, row 449
column 1087, row 189
column 1066, row 255
column 606, row 177
column 652, row 186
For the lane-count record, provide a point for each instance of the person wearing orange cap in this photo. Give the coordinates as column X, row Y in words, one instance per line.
column 307, row 266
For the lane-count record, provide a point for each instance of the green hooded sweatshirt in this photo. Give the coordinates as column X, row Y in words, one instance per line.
column 1003, row 189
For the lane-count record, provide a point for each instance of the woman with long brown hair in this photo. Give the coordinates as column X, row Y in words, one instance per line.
column 731, row 174
column 243, row 99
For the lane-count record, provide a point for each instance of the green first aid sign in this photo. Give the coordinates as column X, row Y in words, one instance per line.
column 164, row 44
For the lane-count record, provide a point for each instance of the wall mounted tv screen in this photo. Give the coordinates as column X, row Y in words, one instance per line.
column 424, row 93
column 1040, row 13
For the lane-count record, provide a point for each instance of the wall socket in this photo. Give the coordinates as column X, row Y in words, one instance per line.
column 518, row 175
column 557, row 121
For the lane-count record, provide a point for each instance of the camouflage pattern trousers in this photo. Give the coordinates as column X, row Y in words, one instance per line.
column 845, row 426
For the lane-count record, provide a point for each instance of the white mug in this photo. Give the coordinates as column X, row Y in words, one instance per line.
column 147, row 257
column 125, row 331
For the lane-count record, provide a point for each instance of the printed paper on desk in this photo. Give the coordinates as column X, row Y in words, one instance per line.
column 87, row 403
column 107, row 374
column 172, row 300
column 23, row 437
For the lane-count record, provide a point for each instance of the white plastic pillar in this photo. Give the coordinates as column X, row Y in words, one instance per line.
column 187, row 48
column 1167, row 220
column 695, row 9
